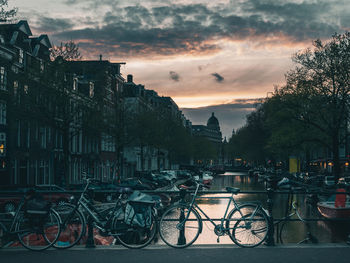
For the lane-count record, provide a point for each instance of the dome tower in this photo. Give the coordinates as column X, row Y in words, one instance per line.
column 213, row 123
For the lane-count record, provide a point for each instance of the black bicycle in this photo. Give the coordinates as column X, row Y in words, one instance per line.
column 110, row 221
column 284, row 231
column 246, row 224
column 35, row 228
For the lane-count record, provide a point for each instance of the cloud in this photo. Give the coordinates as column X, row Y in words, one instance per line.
column 218, row 77
column 143, row 29
column 47, row 24
column 174, row 76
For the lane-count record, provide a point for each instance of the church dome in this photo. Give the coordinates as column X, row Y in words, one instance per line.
column 213, row 122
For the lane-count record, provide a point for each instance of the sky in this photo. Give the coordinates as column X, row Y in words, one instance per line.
column 207, row 55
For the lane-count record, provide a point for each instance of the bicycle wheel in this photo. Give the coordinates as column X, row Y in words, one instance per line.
column 73, row 226
column 175, row 231
column 251, row 230
column 236, row 214
column 38, row 234
column 138, row 237
column 283, row 233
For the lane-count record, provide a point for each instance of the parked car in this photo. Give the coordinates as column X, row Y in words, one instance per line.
column 103, row 197
column 135, row 184
column 9, row 201
column 51, row 193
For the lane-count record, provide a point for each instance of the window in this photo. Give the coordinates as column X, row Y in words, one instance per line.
column 25, row 89
column 42, row 66
column 107, row 143
column 2, row 40
column 18, row 133
column 15, row 88
column 43, row 172
column 3, row 78
column 119, row 87
column 91, row 90
column 28, row 135
column 2, row 144
column 2, row 112
column 42, row 135
column 20, row 56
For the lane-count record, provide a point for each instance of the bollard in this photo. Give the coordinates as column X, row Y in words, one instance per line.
column 90, row 242
column 270, row 241
column 182, row 239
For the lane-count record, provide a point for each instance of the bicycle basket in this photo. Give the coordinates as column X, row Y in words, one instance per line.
column 37, row 209
column 138, row 211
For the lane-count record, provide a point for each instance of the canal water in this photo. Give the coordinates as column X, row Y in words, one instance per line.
column 296, row 231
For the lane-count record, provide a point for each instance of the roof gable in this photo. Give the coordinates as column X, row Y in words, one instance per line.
column 24, row 27
column 44, row 40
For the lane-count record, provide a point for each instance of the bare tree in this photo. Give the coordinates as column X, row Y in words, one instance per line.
column 68, row 51
column 6, row 13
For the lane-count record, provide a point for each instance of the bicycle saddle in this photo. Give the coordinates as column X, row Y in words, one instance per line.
column 233, row 190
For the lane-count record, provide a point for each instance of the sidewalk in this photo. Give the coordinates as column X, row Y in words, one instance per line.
column 323, row 253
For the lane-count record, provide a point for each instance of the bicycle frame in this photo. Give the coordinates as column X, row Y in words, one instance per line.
column 194, row 205
column 92, row 211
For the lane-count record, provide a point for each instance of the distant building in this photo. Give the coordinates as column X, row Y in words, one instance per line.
column 211, row 131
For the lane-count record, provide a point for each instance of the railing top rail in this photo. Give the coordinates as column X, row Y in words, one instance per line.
column 188, row 191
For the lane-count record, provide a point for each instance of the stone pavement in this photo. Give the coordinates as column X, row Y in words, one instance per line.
column 322, row 253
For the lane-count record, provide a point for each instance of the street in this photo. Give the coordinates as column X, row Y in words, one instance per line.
column 199, row 253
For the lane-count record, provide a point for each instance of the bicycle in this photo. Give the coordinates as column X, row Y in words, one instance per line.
column 109, row 221
column 38, row 231
column 292, row 210
column 246, row 224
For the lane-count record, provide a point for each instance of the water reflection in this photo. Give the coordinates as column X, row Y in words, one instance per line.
column 296, row 231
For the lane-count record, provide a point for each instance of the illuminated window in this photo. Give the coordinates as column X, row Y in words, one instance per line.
column 3, row 78
column 2, row 144
column 2, row 112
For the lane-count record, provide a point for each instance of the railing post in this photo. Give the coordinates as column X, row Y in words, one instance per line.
column 182, row 239
column 270, row 241
column 90, row 242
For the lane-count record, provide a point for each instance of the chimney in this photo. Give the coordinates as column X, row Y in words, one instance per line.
column 130, row 78
column 100, row 57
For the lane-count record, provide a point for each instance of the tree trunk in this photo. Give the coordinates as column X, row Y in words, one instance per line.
column 66, row 155
column 142, row 158
column 158, row 159
column 336, row 158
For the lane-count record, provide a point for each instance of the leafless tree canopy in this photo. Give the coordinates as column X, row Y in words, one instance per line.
column 68, row 51
column 6, row 13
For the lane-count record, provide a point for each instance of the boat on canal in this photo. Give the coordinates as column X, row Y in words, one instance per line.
column 329, row 210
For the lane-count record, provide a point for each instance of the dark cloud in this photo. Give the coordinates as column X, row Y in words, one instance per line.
column 174, row 76
column 71, row 2
column 230, row 116
column 218, row 77
column 48, row 24
column 195, row 28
